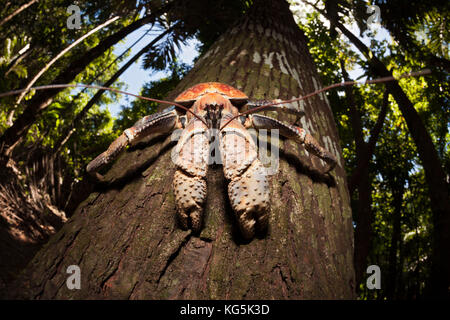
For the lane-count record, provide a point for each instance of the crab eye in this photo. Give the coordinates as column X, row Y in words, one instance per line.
column 238, row 102
column 242, row 119
column 183, row 121
column 186, row 103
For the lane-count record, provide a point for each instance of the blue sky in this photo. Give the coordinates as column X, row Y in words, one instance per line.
column 136, row 76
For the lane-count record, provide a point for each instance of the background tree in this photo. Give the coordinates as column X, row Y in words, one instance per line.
column 434, row 173
column 429, row 96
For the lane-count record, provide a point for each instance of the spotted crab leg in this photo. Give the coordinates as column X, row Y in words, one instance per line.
column 189, row 183
column 295, row 133
column 248, row 188
column 160, row 122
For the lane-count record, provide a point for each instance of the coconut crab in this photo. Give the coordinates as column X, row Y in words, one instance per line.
column 208, row 106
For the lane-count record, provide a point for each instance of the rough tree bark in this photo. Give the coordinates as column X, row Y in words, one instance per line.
column 126, row 240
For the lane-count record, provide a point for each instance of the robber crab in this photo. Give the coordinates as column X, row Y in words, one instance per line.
column 196, row 111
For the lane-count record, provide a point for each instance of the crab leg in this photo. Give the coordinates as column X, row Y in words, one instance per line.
column 286, row 108
column 160, row 122
column 248, row 188
column 293, row 132
column 189, row 183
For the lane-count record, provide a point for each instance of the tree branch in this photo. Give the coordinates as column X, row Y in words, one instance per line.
column 19, row 10
column 63, row 52
column 12, row 136
column 435, row 176
column 68, row 133
column 364, row 159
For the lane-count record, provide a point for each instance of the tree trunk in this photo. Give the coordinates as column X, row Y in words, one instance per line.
column 363, row 216
column 126, row 240
column 393, row 277
column 363, row 162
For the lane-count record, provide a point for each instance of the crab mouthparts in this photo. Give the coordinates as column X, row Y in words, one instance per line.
column 213, row 114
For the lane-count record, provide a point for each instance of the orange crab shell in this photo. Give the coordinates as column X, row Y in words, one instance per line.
column 189, row 96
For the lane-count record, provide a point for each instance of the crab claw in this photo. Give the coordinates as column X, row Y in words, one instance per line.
column 190, row 194
column 191, row 220
column 249, row 196
column 248, row 188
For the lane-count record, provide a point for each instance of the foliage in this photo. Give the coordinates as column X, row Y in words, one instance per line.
column 29, row 41
column 394, row 170
column 153, row 89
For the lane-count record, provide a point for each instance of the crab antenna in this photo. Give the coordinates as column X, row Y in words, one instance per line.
column 79, row 85
column 339, row 84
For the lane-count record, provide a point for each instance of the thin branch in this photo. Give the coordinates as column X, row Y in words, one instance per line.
column 112, row 63
column 332, row 86
column 121, row 55
column 19, row 10
column 363, row 161
column 71, row 129
column 22, row 54
column 49, row 64
column 14, row 134
column 80, row 85
column 355, row 115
